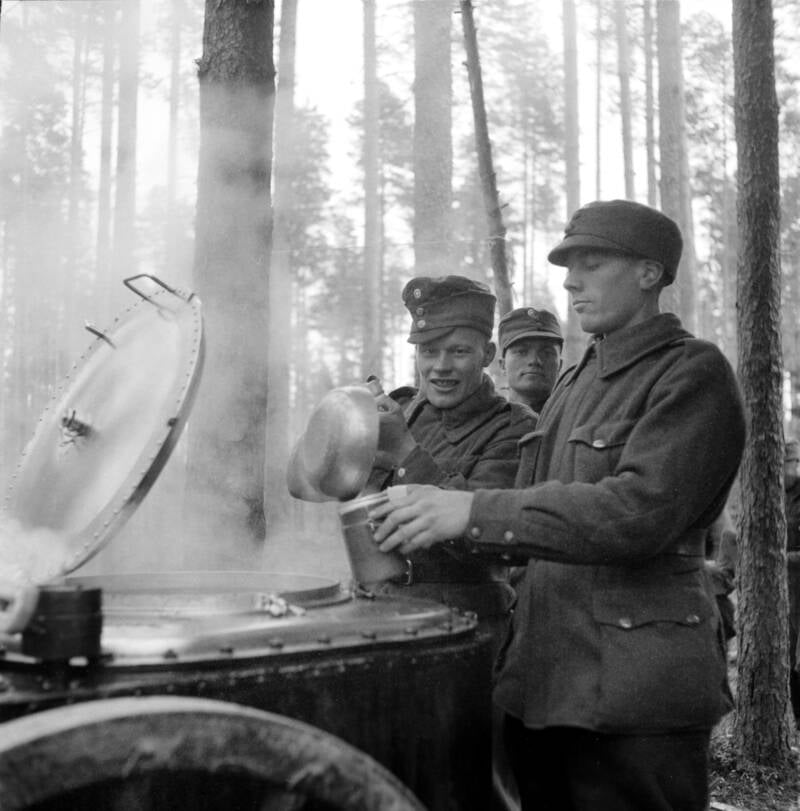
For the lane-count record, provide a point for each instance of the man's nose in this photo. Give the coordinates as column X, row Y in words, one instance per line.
column 571, row 280
column 442, row 360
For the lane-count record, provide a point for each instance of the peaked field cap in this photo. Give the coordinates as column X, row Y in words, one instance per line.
column 439, row 304
column 625, row 227
column 527, row 322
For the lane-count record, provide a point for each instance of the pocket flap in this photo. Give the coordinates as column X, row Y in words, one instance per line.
column 627, row 609
column 603, row 434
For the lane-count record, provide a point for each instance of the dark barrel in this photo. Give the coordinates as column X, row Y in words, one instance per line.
column 405, row 681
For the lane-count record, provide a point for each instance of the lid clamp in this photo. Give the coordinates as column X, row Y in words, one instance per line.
column 99, row 333
column 129, row 283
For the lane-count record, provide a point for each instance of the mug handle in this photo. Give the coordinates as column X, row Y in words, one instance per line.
column 20, row 604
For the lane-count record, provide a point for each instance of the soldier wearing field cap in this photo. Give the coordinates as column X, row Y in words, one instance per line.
column 530, row 354
column 615, row 672
column 456, row 431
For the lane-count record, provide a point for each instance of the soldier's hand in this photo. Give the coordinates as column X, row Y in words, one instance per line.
column 424, row 516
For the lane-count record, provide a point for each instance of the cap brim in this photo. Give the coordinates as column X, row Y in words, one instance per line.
column 558, row 256
column 533, row 334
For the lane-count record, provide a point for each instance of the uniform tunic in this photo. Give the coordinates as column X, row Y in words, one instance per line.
column 473, row 445
column 633, row 457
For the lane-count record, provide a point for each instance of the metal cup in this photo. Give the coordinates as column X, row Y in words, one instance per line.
column 367, row 563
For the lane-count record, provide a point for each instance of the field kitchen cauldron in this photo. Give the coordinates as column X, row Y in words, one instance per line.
column 206, row 690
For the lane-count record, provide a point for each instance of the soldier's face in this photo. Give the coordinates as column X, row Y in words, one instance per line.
column 605, row 290
column 531, row 366
column 451, row 368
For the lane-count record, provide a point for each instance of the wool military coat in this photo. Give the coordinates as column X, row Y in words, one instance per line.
column 632, row 459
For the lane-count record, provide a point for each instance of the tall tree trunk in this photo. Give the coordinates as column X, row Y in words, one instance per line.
column 276, row 496
column 227, row 435
column 491, row 201
column 433, row 145
column 574, row 339
column 103, row 245
column 763, row 725
column 624, row 69
column 675, row 192
column 175, row 55
column 649, row 105
column 598, row 101
column 125, row 198
column 371, row 355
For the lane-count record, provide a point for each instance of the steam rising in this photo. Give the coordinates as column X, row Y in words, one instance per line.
column 30, row 556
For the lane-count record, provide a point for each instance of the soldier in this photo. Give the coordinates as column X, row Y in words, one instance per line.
column 530, row 349
column 456, row 431
column 615, row 671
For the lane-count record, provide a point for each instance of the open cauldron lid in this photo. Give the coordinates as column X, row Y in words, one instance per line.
column 106, row 435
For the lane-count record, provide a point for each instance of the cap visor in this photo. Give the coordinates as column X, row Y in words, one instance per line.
column 558, row 256
column 533, row 334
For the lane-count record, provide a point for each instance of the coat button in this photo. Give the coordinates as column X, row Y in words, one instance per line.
column 508, row 536
column 693, row 619
column 475, row 532
column 401, row 471
column 625, row 622
column 599, row 443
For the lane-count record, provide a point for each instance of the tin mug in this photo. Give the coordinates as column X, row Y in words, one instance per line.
column 367, row 563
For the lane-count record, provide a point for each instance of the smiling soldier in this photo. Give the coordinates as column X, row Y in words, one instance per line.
column 456, row 431
column 530, row 346
column 614, row 671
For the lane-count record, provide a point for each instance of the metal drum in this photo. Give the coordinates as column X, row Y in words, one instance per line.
column 405, row 681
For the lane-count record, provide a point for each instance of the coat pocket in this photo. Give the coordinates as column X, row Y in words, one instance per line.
column 597, row 448
column 661, row 663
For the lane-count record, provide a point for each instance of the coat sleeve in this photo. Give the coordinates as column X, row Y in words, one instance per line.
column 673, row 474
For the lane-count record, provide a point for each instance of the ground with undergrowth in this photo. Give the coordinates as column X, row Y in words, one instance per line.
column 734, row 789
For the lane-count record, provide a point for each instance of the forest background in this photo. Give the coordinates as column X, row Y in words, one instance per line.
column 100, row 116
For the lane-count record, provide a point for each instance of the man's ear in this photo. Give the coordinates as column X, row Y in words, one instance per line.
column 651, row 274
column 491, row 351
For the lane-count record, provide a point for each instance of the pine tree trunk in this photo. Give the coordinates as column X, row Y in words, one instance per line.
column 171, row 235
column 103, row 244
column 649, row 104
column 371, row 353
column 762, row 724
column 276, row 497
column 225, row 489
column 674, row 186
column 433, row 146
column 624, row 69
column 125, row 198
column 574, row 339
column 483, row 145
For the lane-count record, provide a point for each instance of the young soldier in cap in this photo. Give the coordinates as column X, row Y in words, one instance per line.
column 614, row 672
column 456, row 432
column 530, row 349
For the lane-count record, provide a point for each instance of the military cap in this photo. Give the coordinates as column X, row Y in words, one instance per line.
column 440, row 304
column 527, row 322
column 625, row 227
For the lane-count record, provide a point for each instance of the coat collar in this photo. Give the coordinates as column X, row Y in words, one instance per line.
column 622, row 349
column 460, row 421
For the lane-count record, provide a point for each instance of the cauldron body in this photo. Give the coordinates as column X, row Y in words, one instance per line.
column 405, row 681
